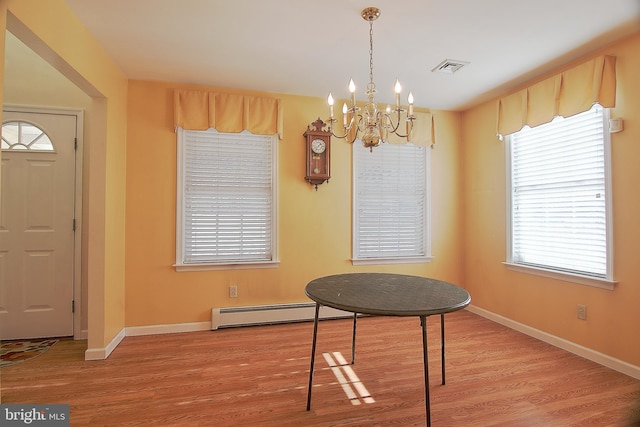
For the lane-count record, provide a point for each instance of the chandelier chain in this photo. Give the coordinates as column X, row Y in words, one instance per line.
column 372, row 85
column 371, row 51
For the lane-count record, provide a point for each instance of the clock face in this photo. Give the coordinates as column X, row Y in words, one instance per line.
column 318, row 146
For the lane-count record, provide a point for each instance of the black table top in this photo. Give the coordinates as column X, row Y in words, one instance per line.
column 387, row 294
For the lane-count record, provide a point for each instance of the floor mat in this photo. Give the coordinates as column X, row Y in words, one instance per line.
column 18, row 351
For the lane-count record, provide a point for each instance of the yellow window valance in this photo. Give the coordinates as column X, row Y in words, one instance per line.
column 225, row 112
column 566, row 94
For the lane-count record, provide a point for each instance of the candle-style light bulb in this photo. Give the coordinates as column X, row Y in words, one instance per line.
column 352, row 89
column 344, row 113
column 398, row 89
column 330, row 102
column 410, row 100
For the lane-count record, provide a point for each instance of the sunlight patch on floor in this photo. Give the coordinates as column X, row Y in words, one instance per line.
column 338, row 365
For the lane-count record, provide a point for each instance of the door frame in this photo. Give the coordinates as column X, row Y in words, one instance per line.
column 79, row 306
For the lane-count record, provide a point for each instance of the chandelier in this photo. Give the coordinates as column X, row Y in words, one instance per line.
column 373, row 124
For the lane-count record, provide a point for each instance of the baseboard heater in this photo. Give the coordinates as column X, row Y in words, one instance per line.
column 230, row 317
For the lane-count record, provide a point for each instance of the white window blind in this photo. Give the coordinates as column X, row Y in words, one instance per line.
column 559, row 178
column 391, row 200
column 227, row 197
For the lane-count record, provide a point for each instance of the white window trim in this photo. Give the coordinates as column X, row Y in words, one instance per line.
column 566, row 277
column 608, row 282
column 179, row 265
column 427, row 222
column 382, row 261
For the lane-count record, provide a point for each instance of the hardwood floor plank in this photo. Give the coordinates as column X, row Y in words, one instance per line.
column 257, row 376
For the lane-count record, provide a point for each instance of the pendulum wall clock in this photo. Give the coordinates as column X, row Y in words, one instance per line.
column 318, row 153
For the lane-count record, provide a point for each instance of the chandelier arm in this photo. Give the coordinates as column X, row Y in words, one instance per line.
column 410, row 120
column 348, row 129
column 394, row 127
column 389, row 125
column 335, row 134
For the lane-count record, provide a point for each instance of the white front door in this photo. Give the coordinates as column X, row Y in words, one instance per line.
column 37, row 225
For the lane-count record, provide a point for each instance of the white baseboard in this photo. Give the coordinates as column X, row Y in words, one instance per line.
column 104, row 352
column 134, row 331
column 83, row 335
column 595, row 356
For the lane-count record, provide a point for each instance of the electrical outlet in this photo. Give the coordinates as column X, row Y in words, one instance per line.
column 233, row 291
column 582, row 312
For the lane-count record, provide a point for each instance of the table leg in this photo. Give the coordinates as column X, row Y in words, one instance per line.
column 353, row 342
column 313, row 355
column 427, row 399
column 442, row 344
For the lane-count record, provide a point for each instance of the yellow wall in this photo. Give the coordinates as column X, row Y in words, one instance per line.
column 314, row 226
column 546, row 304
column 55, row 33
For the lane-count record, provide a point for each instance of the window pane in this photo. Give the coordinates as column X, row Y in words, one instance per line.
column 390, row 201
column 558, row 191
column 227, row 197
column 24, row 136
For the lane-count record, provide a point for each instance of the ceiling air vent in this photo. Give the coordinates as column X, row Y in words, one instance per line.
column 449, row 66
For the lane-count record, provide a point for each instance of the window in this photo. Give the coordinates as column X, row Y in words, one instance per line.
column 560, row 199
column 226, row 207
column 391, row 204
column 23, row 136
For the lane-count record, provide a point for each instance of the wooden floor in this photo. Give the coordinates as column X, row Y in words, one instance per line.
column 257, row 376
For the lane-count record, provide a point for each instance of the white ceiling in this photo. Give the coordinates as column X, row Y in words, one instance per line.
column 310, row 47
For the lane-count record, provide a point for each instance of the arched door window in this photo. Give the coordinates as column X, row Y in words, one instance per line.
column 22, row 136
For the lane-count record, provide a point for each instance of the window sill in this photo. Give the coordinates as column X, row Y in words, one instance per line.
column 379, row 261
column 234, row 266
column 567, row 277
